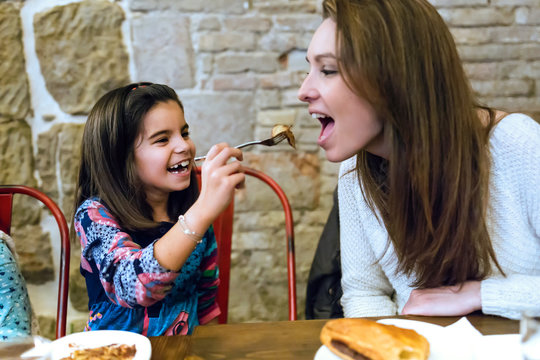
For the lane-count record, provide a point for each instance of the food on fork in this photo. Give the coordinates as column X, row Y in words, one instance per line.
column 278, row 129
column 360, row 339
column 108, row 352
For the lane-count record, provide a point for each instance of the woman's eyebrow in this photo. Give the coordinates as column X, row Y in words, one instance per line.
column 319, row 57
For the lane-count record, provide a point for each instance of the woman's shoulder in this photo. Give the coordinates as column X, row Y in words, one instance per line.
column 516, row 125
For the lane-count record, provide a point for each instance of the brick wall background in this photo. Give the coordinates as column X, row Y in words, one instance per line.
column 237, row 66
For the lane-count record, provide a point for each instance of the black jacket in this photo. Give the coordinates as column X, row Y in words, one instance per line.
column 324, row 282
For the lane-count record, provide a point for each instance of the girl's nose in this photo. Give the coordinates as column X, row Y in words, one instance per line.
column 181, row 145
column 307, row 92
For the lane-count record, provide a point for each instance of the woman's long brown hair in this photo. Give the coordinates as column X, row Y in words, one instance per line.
column 107, row 168
column 432, row 191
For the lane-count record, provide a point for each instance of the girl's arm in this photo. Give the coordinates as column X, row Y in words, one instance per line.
column 130, row 275
column 207, row 308
column 366, row 289
column 220, row 177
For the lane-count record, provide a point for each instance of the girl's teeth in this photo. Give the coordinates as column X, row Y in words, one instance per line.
column 184, row 163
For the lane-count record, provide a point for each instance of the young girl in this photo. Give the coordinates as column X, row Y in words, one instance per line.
column 148, row 250
column 438, row 196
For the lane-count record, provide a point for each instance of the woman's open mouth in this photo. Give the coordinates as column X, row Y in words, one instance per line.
column 327, row 124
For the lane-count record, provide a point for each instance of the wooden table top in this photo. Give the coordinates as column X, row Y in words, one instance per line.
column 297, row 340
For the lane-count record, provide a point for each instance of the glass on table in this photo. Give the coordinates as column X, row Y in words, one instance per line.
column 529, row 329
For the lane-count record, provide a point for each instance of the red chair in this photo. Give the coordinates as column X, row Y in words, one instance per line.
column 6, row 206
column 223, row 228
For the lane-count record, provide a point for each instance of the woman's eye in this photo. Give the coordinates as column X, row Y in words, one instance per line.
column 327, row 72
column 185, row 134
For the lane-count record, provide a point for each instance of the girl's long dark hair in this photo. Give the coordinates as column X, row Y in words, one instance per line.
column 107, row 168
column 432, row 191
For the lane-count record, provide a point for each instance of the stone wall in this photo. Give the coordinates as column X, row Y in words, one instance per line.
column 237, row 66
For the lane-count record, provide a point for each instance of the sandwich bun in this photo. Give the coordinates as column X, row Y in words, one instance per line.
column 354, row 339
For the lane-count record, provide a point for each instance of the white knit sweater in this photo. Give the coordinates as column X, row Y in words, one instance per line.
column 371, row 286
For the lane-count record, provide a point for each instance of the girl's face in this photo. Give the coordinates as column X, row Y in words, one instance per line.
column 349, row 122
column 164, row 151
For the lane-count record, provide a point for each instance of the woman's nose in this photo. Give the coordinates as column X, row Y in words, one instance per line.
column 307, row 92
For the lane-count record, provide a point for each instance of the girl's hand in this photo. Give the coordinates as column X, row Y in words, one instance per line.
column 219, row 178
column 454, row 300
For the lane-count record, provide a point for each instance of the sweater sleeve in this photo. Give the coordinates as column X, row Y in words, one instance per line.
column 130, row 275
column 519, row 149
column 208, row 307
column 366, row 289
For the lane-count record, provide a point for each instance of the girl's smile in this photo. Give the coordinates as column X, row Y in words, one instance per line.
column 164, row 151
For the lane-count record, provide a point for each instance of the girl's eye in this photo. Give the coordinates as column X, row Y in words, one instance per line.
column 162, row 140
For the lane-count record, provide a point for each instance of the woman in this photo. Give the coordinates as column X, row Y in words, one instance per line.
column 439, row 208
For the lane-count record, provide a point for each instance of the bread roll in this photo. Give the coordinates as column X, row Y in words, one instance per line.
column 355, row 339
column 277, row 129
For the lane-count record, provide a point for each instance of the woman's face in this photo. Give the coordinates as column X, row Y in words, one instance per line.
column 349, row 122
column 164, row 151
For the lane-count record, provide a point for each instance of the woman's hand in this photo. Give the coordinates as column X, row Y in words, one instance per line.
column 454, row 300
column 219, row 178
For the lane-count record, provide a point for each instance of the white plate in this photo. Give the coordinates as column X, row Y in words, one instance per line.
column 96, row 338
column 505, row 347
column 440, row 347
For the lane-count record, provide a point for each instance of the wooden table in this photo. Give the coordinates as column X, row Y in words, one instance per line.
column 297, row 340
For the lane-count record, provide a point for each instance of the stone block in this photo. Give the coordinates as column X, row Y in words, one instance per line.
column 288, row 170
column 273, row 117
column 167, row 58
column 47, row 327
column 226, row 41
column 182, row 6
column 285, row 7
column 78, row 295
column 16, row 154
column 290, row 98
column 508, row 88
column 490, row 52
column 14, row 89
column 236, row 63
column 298, row 23
column 81, row 57
column 219, row 117
column 481, row 16
column 470, row 35
column 35, row 252
column 458, row 3
column 284, row 42
column 266, row 99
column 60, row 148
column 211, row 23
column 253, row 23
column 277, row 80
column 234, row 82
column 527, row 16
column 514, row 34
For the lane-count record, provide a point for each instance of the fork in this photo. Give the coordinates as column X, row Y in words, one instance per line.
column 274, row 140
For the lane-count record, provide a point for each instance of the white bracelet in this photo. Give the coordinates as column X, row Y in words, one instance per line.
column 192, row 234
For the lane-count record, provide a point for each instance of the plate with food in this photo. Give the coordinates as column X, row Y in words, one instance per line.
column 387, row 339
column 102, row 344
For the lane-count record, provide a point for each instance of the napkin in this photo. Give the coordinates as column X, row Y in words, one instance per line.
column 476, row 346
